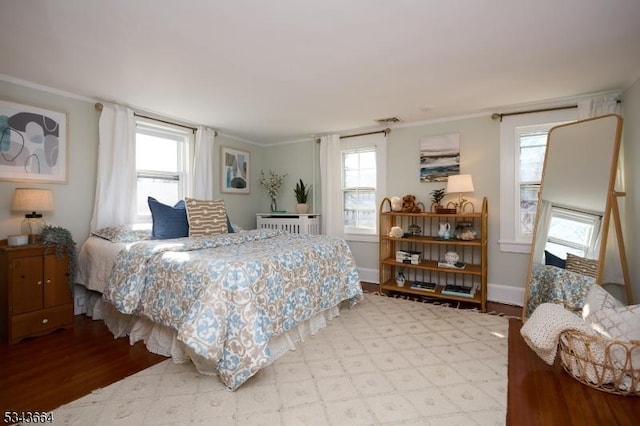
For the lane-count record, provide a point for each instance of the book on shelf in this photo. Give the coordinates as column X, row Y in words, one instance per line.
column 456, row 265
column 459, row 290
column 410, row 257
column 425, row 286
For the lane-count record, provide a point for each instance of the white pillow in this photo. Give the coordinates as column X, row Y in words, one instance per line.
column 598, row 299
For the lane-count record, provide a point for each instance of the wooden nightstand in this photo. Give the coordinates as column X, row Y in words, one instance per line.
column 35, row 297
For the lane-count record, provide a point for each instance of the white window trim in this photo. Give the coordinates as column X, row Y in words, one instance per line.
column 592, row 219
column 379, row 141
column 161, row 129
column 509, row 241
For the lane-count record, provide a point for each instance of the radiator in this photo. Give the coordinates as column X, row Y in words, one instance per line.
column 291, row 222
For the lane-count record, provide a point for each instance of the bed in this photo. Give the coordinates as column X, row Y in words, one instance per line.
column 231, row 303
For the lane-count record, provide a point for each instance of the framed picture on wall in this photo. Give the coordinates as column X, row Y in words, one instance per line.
column 235, row 170
column 34, row 143
column 439, row 157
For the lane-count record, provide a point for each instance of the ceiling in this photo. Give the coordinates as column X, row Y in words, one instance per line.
column 286, row 70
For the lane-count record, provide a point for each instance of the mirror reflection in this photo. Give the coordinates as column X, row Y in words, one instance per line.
column 572, row 216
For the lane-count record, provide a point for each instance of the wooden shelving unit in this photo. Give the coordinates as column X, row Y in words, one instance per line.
column 432, row 248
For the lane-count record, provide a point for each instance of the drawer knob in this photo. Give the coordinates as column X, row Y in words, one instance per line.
column 48, row 282
column 39, row 283
column 45, row 321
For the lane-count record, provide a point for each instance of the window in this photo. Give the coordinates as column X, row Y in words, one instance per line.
column 523, row 140
column 359, row 190
column 572, row 232
column 363, row 182
column 162, row 163
column 532, row 141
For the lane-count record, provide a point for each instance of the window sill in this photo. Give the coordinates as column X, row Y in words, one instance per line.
column 361, row 238
column 515, row 247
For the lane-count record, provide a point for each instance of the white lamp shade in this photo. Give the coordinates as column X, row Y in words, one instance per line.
column 459, row 183
column 32, row 200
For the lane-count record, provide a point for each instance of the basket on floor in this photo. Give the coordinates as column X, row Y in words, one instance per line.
column 608, row 365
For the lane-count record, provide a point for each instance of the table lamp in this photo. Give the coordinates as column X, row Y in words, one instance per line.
column 35, row 202
column 459, row 184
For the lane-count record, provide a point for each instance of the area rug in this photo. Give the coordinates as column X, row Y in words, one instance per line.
column 384, row 361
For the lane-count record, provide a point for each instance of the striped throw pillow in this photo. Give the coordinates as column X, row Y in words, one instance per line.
column 582, row 265
column 206, row 217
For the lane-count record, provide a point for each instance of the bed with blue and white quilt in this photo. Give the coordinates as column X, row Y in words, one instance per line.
column 231, row 303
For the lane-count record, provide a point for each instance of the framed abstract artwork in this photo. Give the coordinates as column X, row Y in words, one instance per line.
column 34, row 143
column 439, row 157
column 235, row 171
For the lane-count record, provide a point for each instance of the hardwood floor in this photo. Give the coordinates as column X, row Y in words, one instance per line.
column 541, row 394
column 42, row 373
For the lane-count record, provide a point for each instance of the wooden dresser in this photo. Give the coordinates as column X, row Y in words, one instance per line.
column 35, row 298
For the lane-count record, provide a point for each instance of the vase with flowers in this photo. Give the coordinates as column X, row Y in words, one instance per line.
column 272, row 183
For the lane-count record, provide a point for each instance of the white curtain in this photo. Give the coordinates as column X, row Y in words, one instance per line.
column 202, row 187
column 330, row 176
column 601, row 105
column 114, row 202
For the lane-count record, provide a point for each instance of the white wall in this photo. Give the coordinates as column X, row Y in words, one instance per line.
column 479, row 148
column 74, row 200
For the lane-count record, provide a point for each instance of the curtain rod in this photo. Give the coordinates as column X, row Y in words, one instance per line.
column 385, row 131
column 99, row 107
column 496, row 115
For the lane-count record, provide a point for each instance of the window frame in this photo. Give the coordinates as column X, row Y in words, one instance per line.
column 592, row 219
column 378, row 143
column 510, row 239
column 185, row 138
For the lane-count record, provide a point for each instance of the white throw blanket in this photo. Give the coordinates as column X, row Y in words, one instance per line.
column 603, row 317
column 543, row 328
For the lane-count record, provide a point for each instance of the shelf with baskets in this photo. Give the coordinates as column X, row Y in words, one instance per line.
column 452, row 267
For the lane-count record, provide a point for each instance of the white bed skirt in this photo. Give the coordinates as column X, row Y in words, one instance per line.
column 163, row 340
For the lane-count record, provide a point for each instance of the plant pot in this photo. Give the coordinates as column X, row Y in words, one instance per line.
column 302, row 208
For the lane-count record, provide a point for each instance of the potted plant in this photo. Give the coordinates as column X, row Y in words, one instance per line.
column 61, row 240
column 302, row 193
column 436, row 197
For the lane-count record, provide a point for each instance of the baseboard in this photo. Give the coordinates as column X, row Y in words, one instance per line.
column 505, row 294
column 369, row 275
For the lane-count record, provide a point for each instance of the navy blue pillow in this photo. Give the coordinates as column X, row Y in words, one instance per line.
column 229, row 227
column 168, row 222
column 553, row 260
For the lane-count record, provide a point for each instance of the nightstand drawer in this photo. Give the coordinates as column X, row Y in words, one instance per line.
column 39, row 322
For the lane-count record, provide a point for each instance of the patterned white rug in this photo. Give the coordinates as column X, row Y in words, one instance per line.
column 386, row 361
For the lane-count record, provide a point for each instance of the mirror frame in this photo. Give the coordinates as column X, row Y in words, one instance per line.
column 610, row 198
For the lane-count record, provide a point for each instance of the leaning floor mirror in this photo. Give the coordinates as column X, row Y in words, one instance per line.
column 578, row 237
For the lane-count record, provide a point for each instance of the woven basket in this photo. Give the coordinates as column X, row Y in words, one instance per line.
column 608, row 365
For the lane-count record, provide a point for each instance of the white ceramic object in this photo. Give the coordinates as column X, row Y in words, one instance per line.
column 17, row 240
column 396, row 232
column 445, row 230
column 396, row 204
column 451, row 257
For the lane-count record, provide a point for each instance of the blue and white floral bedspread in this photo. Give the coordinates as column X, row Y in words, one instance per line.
column 228, row 295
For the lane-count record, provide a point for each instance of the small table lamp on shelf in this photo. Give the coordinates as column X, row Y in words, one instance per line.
column 35, row 202
column 459, row 184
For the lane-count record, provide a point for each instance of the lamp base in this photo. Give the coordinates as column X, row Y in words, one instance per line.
column 32, row 225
